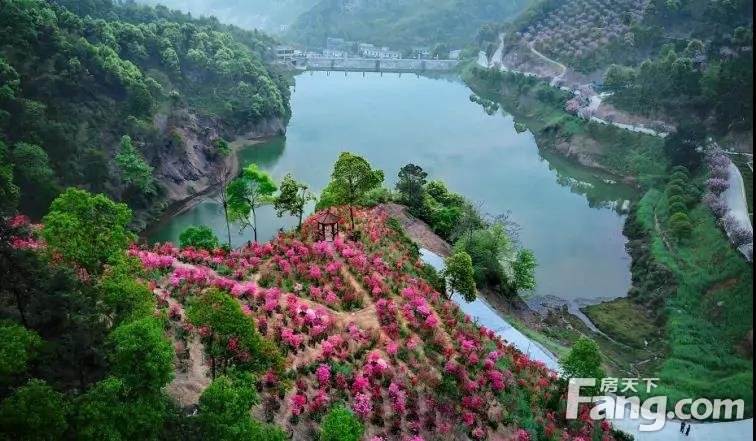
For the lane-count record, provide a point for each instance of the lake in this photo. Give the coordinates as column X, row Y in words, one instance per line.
column 569, row 216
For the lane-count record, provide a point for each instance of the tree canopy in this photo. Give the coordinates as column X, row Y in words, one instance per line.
column 230, row 336
column 340, row 424
column 292, row 198
column 246, row 193
column 141, row 356
column 460, row 275
column 34, row 412
column 199, row 237
column 352, row 177
column 85, row 229
column 583, row 360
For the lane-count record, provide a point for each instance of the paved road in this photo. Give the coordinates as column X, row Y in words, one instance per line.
column 497, row 61
column 488, row 317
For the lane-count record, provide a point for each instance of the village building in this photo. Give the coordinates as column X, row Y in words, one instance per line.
column 285, row 54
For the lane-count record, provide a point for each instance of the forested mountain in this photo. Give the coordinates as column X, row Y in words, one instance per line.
column 124, row 99
column 401, row 23
column 267, row 15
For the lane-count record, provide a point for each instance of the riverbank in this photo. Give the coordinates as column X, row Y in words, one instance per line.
column 551, row 324
column 230, row 169
column 540, row 107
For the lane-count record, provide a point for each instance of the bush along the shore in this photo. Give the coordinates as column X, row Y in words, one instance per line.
column 491, row 242
column 499, row 262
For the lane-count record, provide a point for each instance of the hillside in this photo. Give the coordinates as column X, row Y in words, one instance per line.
column 247, row 14
column 401, row 24
column 75, row 86
column 319, row 323
column 692, row 65
column 686, row 62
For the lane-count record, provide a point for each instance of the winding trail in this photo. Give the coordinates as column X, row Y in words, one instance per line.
column 554, row 81
column 497, row 61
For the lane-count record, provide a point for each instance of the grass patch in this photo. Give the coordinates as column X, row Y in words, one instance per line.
column 710, row 314
column 625, row 321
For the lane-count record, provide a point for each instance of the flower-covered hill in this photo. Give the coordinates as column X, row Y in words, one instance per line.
column 357, row 324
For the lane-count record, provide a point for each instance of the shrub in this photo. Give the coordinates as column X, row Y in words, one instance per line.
column 675, row 190
column 680, row 225
column 678, row 207
column 341, row 424
column 199, row 237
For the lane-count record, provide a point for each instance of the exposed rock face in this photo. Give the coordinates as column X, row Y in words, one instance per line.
column 188, row 162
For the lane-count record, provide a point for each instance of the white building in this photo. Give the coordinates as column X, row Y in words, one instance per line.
column 285, row 54
column 334, row 53
column 383, row 53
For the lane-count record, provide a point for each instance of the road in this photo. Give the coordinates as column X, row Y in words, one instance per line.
column 497, row 61
column 486, row 316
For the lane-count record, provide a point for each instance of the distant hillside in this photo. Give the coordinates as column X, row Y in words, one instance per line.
column 402, row 23
column 266, row 15
column 76, row 77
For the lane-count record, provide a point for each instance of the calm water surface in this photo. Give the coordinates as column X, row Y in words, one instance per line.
column 568, row 216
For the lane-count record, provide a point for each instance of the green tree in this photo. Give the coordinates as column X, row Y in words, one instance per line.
column 253, row 189
column 141, row 356
column 32, row 164
column 352, row 177
column 460, row 274
column 489, row 248
column 88, row 230
column 340, row 424
column 199, row 237
column 681, row 225
column 411, row 185
column 683, row 146
column 59, row 306
column 109, row 411
column 524, row 270
column 221, row 182
column 34, row 412
column 9, row 191
column 224, row 409
column 292, row 198
column 133, row 167
column 230, row 337
column 18, row 346
column 85, row 229
column 618, row 77
column 125, row 297
column 583, row 360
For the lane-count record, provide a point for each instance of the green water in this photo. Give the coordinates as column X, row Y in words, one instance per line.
column 568, row 215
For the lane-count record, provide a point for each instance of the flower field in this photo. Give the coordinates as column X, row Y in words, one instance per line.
column 357, row 324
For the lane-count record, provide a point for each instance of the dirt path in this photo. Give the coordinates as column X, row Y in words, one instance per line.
column 554, row 81
column 418, row 231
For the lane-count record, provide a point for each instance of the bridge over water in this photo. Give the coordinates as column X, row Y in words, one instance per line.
column 373, row 65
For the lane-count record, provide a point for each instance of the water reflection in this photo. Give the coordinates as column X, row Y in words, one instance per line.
column 570, row 217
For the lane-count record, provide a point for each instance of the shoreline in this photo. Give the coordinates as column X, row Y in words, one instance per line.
column 424, row 237
column 233, row 165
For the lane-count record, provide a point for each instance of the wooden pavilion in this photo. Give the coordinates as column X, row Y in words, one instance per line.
column 328, row 226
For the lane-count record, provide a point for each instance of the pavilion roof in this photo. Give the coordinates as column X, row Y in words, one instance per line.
column 328, row 218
